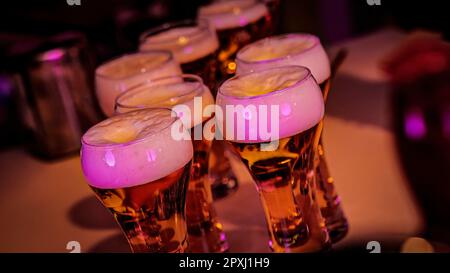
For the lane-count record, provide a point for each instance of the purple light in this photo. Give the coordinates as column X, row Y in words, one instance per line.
column 52, row 55
column 415, row 127
column 5, row 86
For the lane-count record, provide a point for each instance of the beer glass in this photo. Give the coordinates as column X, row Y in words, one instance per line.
column 194, row 45
column 271, row 118
column 140, row 173
column 305, row 50
column 189, row 97
column 238, row 23
column 114, row 76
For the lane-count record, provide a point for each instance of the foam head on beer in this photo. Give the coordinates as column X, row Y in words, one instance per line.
column 232, row 14
column 285, row 99
column 288, row 49
column 188, row 41
column 185, row 94
column 133, row 149
column 117, row 75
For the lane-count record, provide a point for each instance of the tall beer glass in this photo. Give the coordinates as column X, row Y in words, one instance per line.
column 238, row 23
column 287, row 103
column 194, row 45
column 188, row 96
column 114, row 76
column 140, row 173
column 305, row 50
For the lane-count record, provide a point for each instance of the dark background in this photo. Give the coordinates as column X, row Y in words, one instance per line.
column 113, row 27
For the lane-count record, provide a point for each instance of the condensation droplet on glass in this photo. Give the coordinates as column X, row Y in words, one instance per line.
column 109, row 158
column 286, row 109
column 151, row 155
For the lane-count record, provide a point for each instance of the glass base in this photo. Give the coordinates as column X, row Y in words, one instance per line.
column 337, row 225
column 329, row 200
column 308, row 247
column 207, row 237
column 223, row 180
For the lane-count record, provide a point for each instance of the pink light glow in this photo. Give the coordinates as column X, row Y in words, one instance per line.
column 52, row 55
column 243, row 21
column 415, row 127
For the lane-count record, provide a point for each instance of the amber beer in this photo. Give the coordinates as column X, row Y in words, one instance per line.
column 238, row 23
column 204, row 229
column 329, row 200
column 143, row 213
column 194, row 45
column 140, row 173
column 299, row 111
column 305, row 50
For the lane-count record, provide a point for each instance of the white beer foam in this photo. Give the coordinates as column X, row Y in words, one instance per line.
column 118, row 75
column 169, row 93
column 288, row 49
column 232, row 14
column 291, row 88
column 133, row 149
column 187, row 44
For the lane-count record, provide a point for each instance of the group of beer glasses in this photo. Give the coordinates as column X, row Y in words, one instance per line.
column 149, row 162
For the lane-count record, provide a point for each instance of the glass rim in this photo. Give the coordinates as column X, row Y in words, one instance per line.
column 307, row 76
column 202, row 31
column 169, row 58
column 251, row 4
column 136, row 89
column 314, row 38
column 84, row 143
